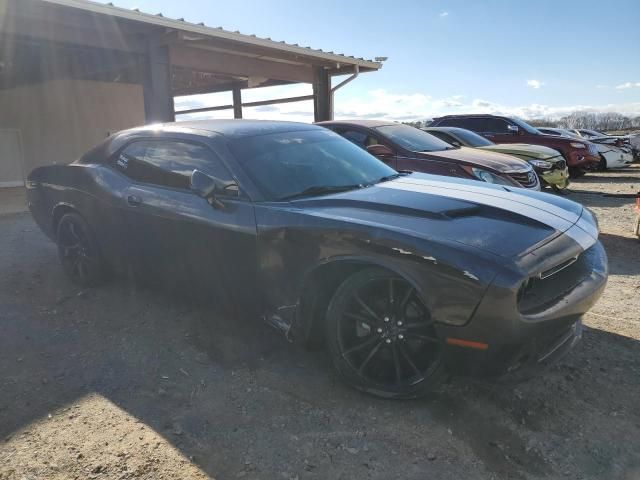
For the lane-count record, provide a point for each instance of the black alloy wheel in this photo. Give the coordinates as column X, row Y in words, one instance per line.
column 382, row 338
column 78, row 251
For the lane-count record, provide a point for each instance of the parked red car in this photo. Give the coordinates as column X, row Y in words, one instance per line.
column 403, row 147
column 580, row 155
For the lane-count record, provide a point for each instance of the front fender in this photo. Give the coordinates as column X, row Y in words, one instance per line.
column 450, row 280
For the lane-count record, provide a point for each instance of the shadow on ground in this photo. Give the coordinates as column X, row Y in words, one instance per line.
column 240, row 401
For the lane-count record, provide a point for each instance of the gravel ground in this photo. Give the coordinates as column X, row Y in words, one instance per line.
column 119, row 382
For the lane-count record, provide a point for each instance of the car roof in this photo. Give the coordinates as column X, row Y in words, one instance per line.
column 232, row 128
column 359, row 123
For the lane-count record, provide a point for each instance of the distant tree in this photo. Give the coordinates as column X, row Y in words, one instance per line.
column 542, row 122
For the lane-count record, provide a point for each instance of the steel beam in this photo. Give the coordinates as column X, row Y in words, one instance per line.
column 322, row 108
column 237, row 102
column 248, row 104
column 158, row 97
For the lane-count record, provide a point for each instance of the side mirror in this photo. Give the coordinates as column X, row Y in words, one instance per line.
column 513, row 128
column 208, row 187
column 380, row 150
column 455, row 143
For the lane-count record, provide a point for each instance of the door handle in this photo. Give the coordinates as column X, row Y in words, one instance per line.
column 134, row 200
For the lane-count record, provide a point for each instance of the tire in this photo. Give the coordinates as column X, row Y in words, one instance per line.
column 602, row 166
column 576, row 172
column 381, row 337
column 79, row 252
column 560, row 191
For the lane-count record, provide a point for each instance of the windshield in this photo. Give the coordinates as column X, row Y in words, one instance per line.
column 285, row 164
column 413, row 139
column 472, row 139
column 525, row 126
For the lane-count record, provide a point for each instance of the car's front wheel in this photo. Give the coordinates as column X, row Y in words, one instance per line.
column 381, row 336
column 79, row 252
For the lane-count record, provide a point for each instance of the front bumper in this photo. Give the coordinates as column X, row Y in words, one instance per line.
column 582, row 158
column 516, row 340
column 556, row 177
column 618, row 159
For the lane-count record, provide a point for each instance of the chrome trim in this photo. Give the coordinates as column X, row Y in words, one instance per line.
column 558, row 268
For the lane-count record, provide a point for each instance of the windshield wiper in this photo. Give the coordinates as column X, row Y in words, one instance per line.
column 400, row 173
column 321, row 190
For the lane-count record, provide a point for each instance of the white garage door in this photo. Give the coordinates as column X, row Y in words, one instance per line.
column 11, row 171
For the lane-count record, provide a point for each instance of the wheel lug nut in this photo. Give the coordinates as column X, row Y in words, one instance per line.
column 399, row 323
column 388, row 340
column 379, row 330
column 400, row 337
column 386, row 319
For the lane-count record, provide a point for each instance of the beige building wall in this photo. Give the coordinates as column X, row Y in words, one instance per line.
column 60, row 120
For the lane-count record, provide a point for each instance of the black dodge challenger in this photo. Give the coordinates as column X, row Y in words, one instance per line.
column 405, row 276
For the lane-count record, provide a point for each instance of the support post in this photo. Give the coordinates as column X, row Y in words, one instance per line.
column 158, row 97
column 237, row 102
column 322, row 98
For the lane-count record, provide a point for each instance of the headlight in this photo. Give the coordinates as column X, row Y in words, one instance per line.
column 578, row 145
column 489, row 177
column 541, row 164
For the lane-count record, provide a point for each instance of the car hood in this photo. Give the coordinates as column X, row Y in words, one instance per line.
column 504, row 221
column 482, row 158
column 523, row 149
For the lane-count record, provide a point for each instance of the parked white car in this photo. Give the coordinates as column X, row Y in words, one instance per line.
column 615, row 152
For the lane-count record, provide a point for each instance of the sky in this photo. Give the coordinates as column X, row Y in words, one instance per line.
column 527, row 58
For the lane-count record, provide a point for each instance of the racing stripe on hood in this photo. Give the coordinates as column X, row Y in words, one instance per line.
column 551, row 215
column 500, row 193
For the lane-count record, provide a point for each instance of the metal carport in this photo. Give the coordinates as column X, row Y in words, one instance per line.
column 78, row 45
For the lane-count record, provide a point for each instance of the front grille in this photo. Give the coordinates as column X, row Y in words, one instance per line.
column 546, row 289
column 526, row 179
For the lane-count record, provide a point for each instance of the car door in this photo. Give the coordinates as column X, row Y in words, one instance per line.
column 182, row 241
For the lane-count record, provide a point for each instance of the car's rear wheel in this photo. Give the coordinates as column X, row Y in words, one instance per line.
column 381, row 336
column 79, row 252
column 602, row 166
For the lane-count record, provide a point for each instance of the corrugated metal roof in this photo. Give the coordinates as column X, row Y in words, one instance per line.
column 214, row 32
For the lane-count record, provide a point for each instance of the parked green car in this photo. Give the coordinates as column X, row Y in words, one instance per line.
column 548, row 163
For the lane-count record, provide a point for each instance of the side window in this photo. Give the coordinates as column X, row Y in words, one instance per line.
column 354, row 136
column 359, row 138
column 168, row 163
column 477, row 124
column 473, row 124
column 496, row 125
column 442, row 136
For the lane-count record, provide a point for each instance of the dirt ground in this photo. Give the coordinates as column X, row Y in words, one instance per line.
column 118, row 382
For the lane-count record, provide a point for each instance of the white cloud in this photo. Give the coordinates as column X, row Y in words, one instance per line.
column 535, row 84
column 384, row 105
column 444, row 14
column 628, row 85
